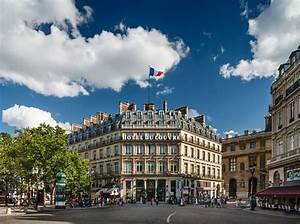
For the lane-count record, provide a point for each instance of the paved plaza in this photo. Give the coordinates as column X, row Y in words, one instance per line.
column 134, row 214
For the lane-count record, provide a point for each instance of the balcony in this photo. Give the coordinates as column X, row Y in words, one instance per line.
column 285, row 155
column 278, row 99
column 293, row 87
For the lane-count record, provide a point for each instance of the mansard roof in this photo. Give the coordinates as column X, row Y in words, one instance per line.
column 143, row 119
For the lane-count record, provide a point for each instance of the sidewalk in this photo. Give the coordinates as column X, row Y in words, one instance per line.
column 273, row 213
column 20, row 211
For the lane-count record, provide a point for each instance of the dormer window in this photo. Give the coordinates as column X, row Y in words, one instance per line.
column 139, row 115
column 161, row 114
column 150, row 115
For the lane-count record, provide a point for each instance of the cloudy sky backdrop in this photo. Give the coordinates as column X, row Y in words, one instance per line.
column 61, row 61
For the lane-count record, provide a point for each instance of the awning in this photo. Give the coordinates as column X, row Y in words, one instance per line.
column 111, row 191
column 293, row 191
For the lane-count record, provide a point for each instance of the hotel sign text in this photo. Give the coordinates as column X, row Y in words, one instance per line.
column 150, row 136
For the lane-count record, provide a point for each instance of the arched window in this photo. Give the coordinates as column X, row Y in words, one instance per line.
column 276, row 178
column 242, row 166
column 242, row 183
column 232, row 187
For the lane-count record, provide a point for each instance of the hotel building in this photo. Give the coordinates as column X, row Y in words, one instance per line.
column 151, row 152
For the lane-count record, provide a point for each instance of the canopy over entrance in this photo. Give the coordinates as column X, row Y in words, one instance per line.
column 290, row 192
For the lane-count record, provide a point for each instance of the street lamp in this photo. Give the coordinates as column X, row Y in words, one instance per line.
column 252, row 200
column 92, row 176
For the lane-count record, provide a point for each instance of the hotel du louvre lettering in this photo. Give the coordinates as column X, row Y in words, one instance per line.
column 151, row 136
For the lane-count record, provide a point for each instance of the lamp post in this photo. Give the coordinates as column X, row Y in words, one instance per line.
column 252, row 200
column 92, row 175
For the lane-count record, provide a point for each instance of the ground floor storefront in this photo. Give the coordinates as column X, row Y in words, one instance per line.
column 167, row 189
column 286, row 198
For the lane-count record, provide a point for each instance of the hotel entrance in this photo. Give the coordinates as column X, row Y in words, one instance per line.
column 161, row 190
column 140, row 190
column 150, row 189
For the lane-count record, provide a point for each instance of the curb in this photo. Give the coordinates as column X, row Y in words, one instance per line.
column 279, row 214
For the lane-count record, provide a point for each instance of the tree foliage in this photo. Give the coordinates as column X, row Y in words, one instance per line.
column 37, row 154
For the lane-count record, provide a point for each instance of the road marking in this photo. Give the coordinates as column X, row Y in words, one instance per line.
column 169, row 217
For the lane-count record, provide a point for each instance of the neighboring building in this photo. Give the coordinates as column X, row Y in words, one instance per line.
column 151, row 152
column 284, row 167
column 244, row 162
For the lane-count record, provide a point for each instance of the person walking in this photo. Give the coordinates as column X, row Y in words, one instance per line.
column 218, row 202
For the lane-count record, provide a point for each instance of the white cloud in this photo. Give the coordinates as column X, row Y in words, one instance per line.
column 166, row 91
column 231, row 133
column 276, row 33
column 120, row 27
column 221, row 51
column 22, row 117
column 63, row 62
column 209, row 118
column 193, row 112
column 245, row 8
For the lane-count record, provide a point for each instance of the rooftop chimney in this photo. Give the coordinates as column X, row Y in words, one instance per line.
column 86, row 122
column 101, row 116
column 165, row 105
column 246, row 132
column 149, row 106
column 132, row 107
column 75, row 127
column 183, row 110
column 123, row 106
column 200, row 119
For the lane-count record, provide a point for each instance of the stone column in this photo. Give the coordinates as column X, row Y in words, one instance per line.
column 155, row 188
column 145, row 187
column 168, row 189
column 134, row 188
column 123, row 191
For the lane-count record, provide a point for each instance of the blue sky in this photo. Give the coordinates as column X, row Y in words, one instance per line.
column 216, row 33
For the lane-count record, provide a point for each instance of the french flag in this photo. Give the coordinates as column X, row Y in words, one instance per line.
column 155, row 73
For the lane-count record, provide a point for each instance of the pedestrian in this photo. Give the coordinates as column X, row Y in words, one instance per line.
column 222, row 201
column 156, row 200
column 218, row 202
column 213, row 201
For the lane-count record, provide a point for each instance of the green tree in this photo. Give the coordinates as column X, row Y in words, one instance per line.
column 39, row 153
column 7, row 168
column 78, row 178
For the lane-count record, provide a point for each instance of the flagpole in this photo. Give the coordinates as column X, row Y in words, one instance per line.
column 149, row 85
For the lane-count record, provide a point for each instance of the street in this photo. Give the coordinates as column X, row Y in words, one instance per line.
column 162, row 213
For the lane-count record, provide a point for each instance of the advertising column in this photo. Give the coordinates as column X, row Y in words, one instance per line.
column 60, row 190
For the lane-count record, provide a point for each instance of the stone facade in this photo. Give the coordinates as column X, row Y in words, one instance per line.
column 151, row 153
column 284, row 167
column 241, row 155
